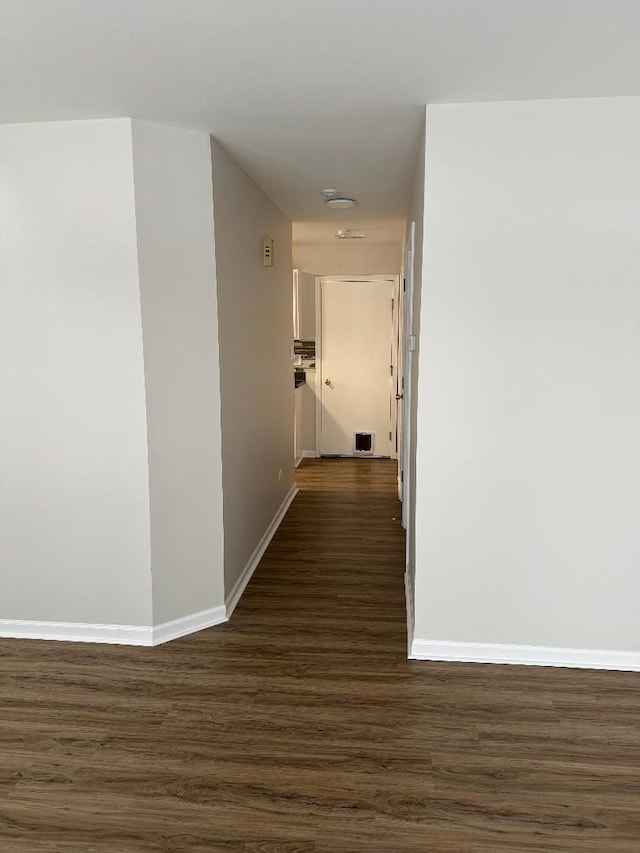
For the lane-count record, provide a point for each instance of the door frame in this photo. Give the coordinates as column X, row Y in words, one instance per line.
column 407, row 346
column 394, row 353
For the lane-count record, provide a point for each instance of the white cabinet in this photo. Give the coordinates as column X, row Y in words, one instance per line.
column 305, row 418
column 298, row 446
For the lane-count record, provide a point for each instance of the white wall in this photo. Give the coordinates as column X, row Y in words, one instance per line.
column 256, row 374
column 528, row 493
column 306, row 305
column 74, row 509
column 176, row 256
column 348, row 257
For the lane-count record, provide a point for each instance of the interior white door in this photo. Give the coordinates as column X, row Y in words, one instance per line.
column 356, row 381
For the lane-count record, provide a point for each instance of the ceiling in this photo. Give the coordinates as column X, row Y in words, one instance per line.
column 308, row 94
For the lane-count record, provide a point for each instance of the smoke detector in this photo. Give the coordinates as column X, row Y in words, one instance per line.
column 334, row 200
column 348, row 234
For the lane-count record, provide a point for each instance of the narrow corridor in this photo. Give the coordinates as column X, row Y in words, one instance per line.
column 300, row 726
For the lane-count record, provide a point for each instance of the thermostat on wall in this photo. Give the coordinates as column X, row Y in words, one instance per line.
column 267, row 252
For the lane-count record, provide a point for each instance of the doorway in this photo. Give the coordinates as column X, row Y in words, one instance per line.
column 357, row 355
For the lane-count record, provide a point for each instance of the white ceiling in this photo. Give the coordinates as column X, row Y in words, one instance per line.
column 307, row 94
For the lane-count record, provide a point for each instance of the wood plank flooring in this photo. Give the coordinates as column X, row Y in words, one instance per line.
column 300, row 725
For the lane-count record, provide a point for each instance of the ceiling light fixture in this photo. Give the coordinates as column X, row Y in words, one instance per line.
column 348, row 234
column 334, row 200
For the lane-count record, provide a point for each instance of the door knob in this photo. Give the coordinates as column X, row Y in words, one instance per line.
column 327, row 382
column 399, row 396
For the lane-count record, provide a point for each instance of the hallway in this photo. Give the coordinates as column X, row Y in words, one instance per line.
column 300, row 725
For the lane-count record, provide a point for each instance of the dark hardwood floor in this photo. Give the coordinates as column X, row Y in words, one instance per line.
column 300, row 725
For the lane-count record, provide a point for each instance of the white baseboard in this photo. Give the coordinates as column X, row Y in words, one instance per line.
column 125, row 635
column 437, row 650
column 408, row 597
column 188, row 624
column 233, row 598
column 147, row 635
column 77, row 632
column 305, row 454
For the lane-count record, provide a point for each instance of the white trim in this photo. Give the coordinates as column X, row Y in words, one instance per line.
column 77, row 632
column 394, row 281
column 318, row 388
column 126, row 635
column 396, row 366
column 408, row 597
column 407, row 370
column 305, row 454
column 233, row 598
column 296, row 311
column 188, row 624
column 147, row 635
column 524, row 655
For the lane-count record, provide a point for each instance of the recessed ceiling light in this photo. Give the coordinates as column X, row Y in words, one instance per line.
column 334, row 200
